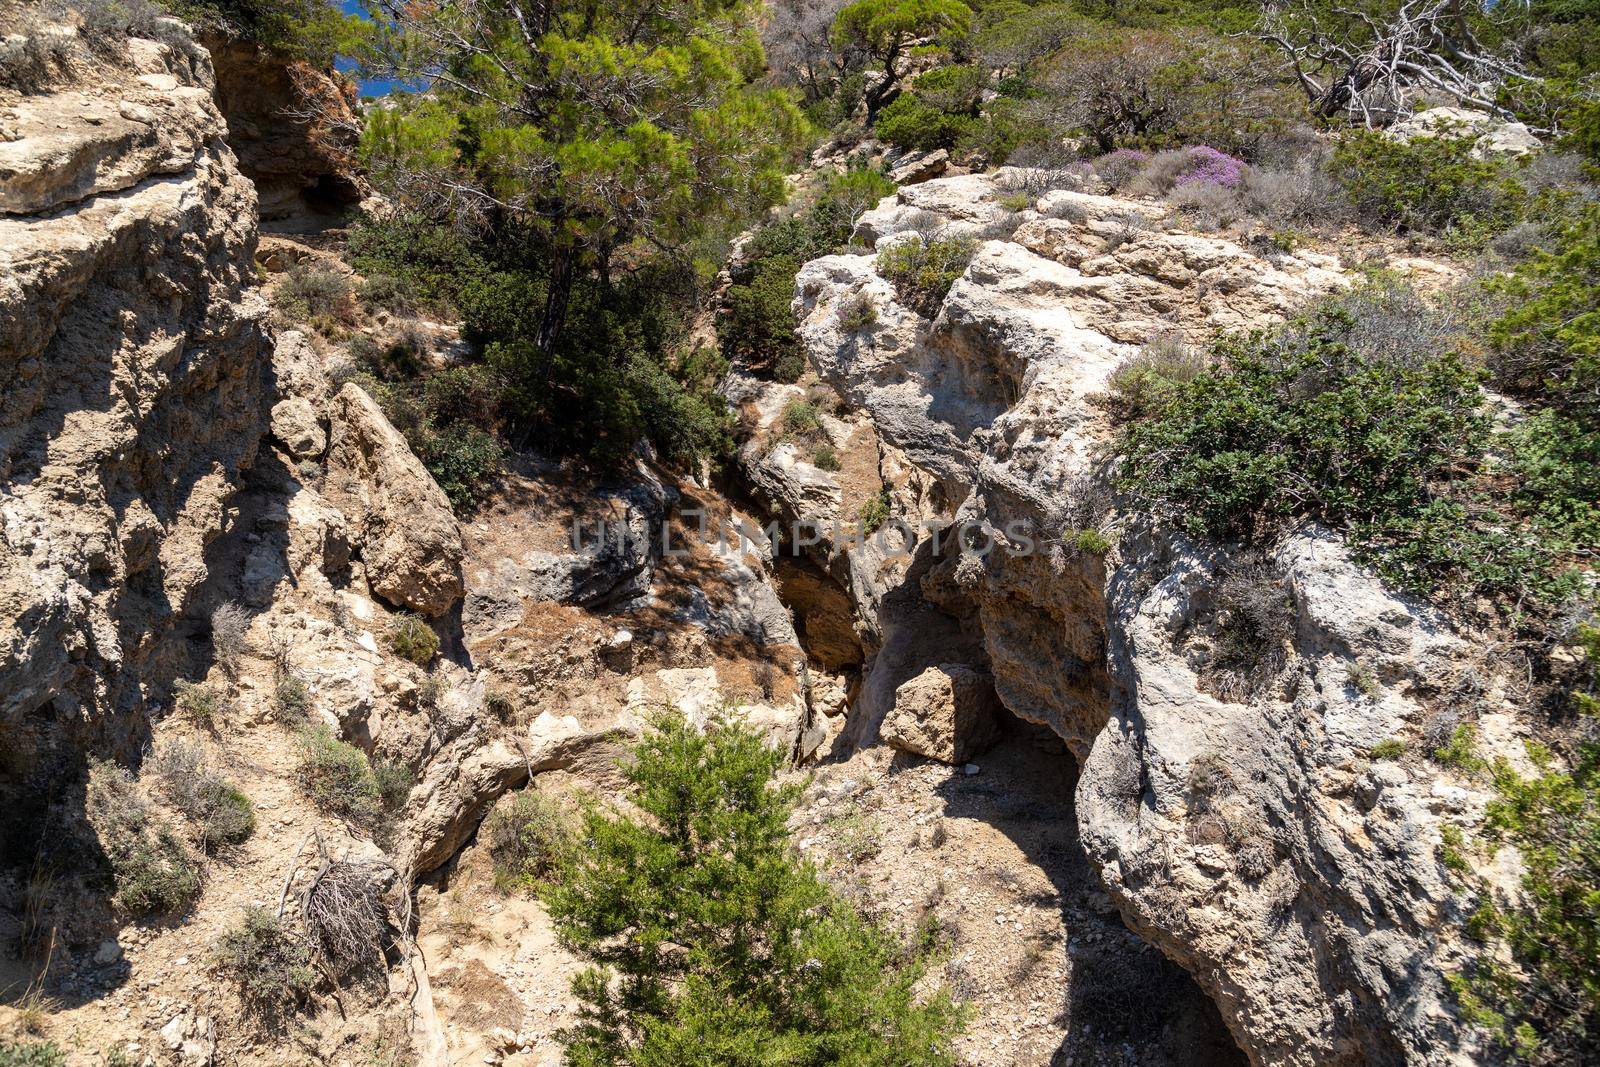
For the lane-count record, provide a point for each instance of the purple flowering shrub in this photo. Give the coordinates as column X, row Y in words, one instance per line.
column 1207, row 166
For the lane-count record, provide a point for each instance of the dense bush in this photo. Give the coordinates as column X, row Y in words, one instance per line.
column 1428, row 184
column 412, row 638
column 1300, row 423
column 530, row 841
column 1548, row 342
column 268, row 967
column 152, row 870
column 756, row 325
column 922, row 272
column 711, row 939
column 336, row 776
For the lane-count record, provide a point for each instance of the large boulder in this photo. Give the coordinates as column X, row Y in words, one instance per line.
column 400, row 520
column 947, row 713
column 1491, row 136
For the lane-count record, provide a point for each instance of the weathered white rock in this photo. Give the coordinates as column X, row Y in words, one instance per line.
column 948, row 713
column 400, row 520
column 1492, row 136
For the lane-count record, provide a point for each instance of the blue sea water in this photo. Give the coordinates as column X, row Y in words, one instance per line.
column 370, row 86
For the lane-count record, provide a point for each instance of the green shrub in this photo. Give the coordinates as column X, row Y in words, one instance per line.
column 1547, row 1009
column 394, row 782
column 1363, row 679
column 1548, row 341
column 530, row 841
column 31, row 1054
column 910, row 122
column 858, row 312
column 268, row 967
column 801, row 418
column 1461, row 751
column 875, row 510
column 385, row 292
column 465, row 461
column 757, row 324
column 1389, row 749
column 336, row 776
column 923, row 272
column 307, row 292
column 824, row 458
column 1428, row 184
column 152, row 870
column 1141, row 385
column 291, row 700
column 1090, row 542
column 1358, row 438
column 723, row 937
column 200, row 704
column 220, row 812
column 412, row 638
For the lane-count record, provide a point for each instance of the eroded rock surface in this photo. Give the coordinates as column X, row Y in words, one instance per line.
column 1239, row 827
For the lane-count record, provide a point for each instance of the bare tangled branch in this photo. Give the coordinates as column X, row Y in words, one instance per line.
column 344, row 917
column 1353, row 65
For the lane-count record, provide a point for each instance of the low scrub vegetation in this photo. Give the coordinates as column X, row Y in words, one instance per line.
column 708, row 935
column 412, row 638
column 31, row 1054
column 337, row 777
column 531, row 840
column 152, row 870
column 922, row 272
column 267, row 965
column 220, row 812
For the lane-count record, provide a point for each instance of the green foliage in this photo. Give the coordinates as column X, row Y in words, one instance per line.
column 757, row 324
column 1548, row 1011
column 1300, row 423
column 313, row 30
column 336, row 776
column 713, row 943
column 801, row 418
column 1429, row 184
column 884, row 29
column 200, row 704
column 1363, row 679
column 858, row 313
column 1548, row 341
column 152, row 870
column 1134, row 87
column 824, row 458
column 1388, row 749
column 268, row 967
column 1091, row 542
column 307, row 292
column 875, row 510
column 531, row 841
column 1141, row 386
column 922, row 272
column 756, row 327
column 1461, row 751
column 412, row 638
column 291, row 700
column 464, row 460
column 31, row 1054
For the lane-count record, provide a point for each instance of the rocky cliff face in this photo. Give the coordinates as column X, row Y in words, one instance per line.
column 293, row 128
column 1239, row 827
column 135, row 381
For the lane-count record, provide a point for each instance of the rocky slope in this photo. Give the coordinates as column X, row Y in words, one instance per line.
column 136, row 382
column 1238, row 825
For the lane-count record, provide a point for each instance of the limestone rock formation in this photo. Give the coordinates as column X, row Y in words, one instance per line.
column 1238, row 825
column 947, row 713
column 294, row 129
column 134, row 385
column 401, row 523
